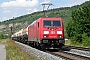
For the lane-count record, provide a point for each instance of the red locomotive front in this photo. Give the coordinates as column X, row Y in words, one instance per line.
column 48, row 32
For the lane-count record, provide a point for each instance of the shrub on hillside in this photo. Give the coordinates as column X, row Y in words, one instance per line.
column 2, row 36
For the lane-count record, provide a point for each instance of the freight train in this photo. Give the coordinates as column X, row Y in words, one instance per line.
column 44, row 32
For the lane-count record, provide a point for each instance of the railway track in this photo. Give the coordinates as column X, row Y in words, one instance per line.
column 68, row 56
column 78, row 48
column 72, row 53
column 64, row 53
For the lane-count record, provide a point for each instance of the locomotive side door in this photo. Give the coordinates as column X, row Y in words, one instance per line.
column 37, row 31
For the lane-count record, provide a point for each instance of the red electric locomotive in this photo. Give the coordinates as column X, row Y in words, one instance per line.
column 46, row 32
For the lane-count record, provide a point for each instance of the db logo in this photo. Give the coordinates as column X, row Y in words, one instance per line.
column 52, row 32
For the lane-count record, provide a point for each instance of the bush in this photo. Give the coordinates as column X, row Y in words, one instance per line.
column 2, row 36
column 85, row 40
column 74, row 41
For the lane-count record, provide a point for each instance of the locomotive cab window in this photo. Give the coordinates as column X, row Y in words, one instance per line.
column 51, row 23
column 56, row 23
column 47, row 23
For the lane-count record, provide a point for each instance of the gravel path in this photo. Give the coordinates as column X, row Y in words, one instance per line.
column 2, row 52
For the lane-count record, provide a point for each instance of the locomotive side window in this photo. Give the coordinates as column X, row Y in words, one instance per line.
column 38, row 24
column 56, row 23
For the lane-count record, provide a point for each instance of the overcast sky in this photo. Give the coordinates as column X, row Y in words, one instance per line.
column 15, row 8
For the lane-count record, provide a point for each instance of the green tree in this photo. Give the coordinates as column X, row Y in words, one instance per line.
column 79, row 24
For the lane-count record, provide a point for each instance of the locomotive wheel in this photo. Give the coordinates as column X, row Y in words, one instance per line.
column 42, row 47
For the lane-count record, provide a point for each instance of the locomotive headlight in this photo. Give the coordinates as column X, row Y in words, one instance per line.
column 59, row 32
column 46, row 32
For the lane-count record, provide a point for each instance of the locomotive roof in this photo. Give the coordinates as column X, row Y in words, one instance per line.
column 45, row 18
column 50, row 18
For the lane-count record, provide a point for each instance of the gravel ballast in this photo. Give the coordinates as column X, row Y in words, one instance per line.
column 35, row 52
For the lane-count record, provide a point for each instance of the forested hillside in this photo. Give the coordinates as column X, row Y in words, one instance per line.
column 23, row 21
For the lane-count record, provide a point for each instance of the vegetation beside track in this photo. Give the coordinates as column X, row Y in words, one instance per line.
column 69, row 43
column 13, row 52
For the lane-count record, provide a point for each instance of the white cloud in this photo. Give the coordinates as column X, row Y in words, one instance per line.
column 76, row 2
column 35, row 10
column 28, row 9
column 31, row 10
column 20, row 3
column 4, row 18
column 6, row 11
column 17, row 8
column 48, row 1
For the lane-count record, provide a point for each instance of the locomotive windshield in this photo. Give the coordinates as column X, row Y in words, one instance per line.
column 51, row 23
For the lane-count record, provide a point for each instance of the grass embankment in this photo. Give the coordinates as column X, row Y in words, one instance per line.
column 69, row 43
column 15, row 53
